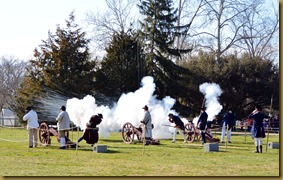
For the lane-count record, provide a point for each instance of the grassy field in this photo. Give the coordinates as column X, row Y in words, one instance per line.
column 166, row 159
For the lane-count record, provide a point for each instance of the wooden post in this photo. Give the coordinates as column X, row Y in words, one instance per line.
column 72, row 132
column 269, row 122
column 77, row 141
column 226, row 137
column 203, row 102
column 144, row 141
column 245, row 132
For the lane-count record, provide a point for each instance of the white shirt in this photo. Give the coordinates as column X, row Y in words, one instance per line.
column 32, row 120
column 63, row 121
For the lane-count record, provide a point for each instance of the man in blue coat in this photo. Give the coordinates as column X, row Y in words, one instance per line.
column 201, row 124
column 179, row 126
column 228, row 121
column 257, row 128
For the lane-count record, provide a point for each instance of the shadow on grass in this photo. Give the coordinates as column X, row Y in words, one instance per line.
column 111, row 140
column 107, row 151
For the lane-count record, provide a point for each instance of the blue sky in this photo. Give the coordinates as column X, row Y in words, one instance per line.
column 24, row 23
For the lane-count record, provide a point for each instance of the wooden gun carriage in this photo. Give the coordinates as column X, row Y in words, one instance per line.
column 129, row 132
column 45, row 131
column 193, row 134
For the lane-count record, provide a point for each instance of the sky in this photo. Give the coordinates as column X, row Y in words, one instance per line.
column 25, row 23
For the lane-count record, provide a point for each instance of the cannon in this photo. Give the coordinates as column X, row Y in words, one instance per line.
column 129, row 132
column 193, row 134
column 46, row 131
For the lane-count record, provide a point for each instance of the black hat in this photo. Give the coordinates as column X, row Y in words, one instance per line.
column 100, row 115
column 258, row 108
column 63, row 108
column 28, row 108
column 170, row 114
column 145, row 107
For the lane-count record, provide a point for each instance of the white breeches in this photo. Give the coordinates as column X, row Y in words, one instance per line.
column 258, row 141
column 180, row 131
column 224, row 128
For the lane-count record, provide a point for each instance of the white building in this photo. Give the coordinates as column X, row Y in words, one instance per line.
column 8, row 118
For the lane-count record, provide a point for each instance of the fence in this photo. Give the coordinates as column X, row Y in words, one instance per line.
column 9, row 121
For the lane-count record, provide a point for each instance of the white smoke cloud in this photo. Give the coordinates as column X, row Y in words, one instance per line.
column 212, row 92
column 127, row 109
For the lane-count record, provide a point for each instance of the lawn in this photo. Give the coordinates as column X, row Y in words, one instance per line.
column 166, row 159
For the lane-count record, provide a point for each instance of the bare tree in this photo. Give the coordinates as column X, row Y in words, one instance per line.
column 188, row 11
column 260, row 34
column 225, row 26
column 11, row 75
column 118, row 17
column 221, row 24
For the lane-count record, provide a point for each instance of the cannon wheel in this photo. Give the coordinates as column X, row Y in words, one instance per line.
column 128, row 133
column 44, row 135
column 190, row 132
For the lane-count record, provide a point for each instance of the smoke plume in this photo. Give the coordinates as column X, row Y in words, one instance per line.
column 127, row 109
column 212, row 92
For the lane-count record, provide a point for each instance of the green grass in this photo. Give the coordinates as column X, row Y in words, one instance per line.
column 166, row 159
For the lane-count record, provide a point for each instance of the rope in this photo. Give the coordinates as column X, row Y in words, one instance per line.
column 12, row 127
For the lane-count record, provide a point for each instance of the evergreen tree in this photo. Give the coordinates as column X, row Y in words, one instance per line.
column 61, row 65
column 122, row 68
column 245, row 82
column 63, row 62
column 159, row 31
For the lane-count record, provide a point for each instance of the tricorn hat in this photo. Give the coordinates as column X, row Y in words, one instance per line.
column 28, row 108
column 63, row 108
column 145, row 107
column 100, row 115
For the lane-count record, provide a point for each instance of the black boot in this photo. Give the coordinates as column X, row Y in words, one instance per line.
column 146, row 141
column 256, row 150
column 260, row 149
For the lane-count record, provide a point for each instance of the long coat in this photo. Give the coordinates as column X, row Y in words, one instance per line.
column 91, row 135
column 258, row 129
column 202, row 121
column 228, row 119
column 178, row 122
column 147, row 124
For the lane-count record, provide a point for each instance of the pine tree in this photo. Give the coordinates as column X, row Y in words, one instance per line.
column 122, row 68
column 62, row 65
column 63, row 62
column 159, row 31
